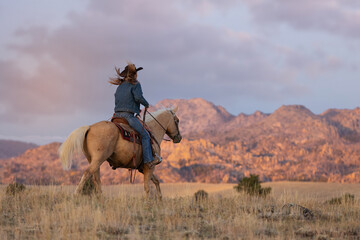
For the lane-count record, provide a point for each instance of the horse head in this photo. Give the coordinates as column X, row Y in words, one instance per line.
column 173, row 130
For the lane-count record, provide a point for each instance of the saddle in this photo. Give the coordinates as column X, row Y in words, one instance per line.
column 129, row 134
column 126, row 131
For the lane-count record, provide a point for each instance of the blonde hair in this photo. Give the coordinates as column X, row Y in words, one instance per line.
column 129, row 74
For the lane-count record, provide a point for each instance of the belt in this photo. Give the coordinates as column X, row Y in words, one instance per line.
column 125, row 112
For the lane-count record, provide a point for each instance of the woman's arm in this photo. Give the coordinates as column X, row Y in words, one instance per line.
column 138, row 95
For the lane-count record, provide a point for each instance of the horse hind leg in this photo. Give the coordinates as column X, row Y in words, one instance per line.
column 99, row 145
column 156, row 181
column 97, row 181
column 96, row 176
column 92, row 170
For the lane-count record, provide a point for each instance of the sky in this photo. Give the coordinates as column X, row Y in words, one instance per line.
column 56, row 57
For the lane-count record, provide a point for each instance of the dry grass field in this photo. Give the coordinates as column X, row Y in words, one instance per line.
column 292, row 211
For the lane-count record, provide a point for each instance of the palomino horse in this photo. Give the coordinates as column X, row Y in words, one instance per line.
column 103, row 140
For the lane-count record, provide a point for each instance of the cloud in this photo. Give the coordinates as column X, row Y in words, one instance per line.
column 63, row 71
column 332, row 16
column 71, row 64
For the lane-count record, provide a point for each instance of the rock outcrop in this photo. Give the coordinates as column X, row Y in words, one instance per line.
column 290, row 144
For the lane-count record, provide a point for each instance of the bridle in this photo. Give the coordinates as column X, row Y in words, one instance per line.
column 177, row 136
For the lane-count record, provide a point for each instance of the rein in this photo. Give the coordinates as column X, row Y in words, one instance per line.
column 156, row 121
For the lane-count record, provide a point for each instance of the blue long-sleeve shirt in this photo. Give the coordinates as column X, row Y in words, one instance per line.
column 128, row 98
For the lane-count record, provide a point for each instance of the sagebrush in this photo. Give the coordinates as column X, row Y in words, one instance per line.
column 252, row 186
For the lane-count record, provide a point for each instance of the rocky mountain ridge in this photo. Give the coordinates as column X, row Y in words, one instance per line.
column 292, row 143
column 197, row 115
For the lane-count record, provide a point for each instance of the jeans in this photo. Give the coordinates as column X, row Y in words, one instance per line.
column 145, row 137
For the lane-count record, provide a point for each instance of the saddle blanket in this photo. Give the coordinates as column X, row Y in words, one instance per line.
column 127, row 133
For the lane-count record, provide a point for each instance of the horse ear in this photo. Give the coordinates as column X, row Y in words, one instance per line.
column 175, row 109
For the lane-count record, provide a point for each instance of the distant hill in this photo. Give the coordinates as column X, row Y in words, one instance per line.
column 9, row 148
column 292, row 143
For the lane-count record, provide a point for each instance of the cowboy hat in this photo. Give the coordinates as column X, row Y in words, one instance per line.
column 130, row 68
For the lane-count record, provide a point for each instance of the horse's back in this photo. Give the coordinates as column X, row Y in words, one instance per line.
column 104, row 138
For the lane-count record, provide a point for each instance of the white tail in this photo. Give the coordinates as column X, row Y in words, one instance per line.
column 74, row 144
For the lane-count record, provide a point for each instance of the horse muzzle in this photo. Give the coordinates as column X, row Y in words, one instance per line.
column 177, row 138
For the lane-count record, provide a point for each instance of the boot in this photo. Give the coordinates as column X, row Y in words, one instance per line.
column 157, row 160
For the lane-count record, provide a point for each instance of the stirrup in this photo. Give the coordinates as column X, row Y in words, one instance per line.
column 158, row 157
column 154, row 162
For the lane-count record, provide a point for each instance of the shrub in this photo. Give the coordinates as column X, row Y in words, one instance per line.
column 201, row 195
column 15, row 188
column 347, row 198
column 252, row 186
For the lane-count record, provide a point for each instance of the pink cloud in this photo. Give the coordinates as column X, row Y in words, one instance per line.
column 333, row 16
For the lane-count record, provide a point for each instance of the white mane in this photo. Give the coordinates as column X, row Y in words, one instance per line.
column 158, row 112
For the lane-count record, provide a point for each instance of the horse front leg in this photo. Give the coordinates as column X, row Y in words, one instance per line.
column 148, row 172
column 156, row 181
